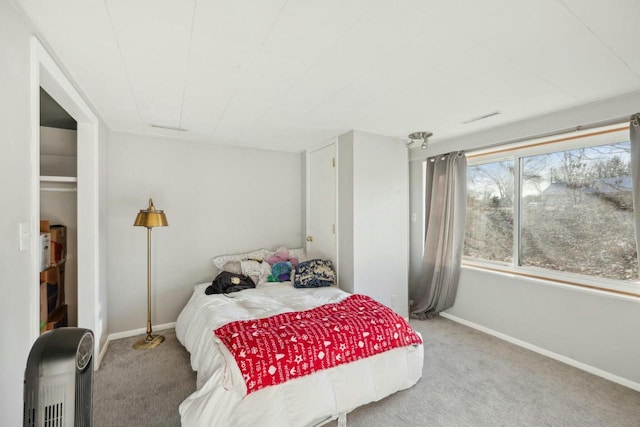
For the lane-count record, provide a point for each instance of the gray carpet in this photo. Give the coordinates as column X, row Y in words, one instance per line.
column 469, row 379
column 142, row 387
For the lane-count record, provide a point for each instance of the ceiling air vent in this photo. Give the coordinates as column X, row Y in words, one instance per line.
column 482, row 117
column 168, row 128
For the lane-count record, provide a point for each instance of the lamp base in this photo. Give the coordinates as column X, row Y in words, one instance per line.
column 150, row 341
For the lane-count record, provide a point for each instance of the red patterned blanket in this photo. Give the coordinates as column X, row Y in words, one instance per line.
column 276, row 349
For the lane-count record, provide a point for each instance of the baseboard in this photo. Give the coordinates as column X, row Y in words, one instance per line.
column 572, row 362
column 103, row 351
column 134, row 332
column 127, row 334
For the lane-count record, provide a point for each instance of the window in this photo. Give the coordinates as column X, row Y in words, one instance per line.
column 489, row 222
column 563, row 208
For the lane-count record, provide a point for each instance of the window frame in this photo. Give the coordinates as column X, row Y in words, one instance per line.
column 515, row 152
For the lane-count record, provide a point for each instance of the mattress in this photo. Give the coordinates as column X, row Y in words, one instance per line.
column 221, row 399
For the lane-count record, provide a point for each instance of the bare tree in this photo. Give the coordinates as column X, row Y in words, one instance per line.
column 491, row 178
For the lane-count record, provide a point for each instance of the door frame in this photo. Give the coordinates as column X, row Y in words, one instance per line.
column 46, row 73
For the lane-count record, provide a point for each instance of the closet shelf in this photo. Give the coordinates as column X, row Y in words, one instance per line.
column 45, row 178
column 58, row 183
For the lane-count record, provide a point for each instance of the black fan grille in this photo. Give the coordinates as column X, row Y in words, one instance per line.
column 84, row 390
column 54, row 415
column 29, row 409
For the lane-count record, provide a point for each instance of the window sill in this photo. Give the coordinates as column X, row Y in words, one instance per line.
column 611, row 288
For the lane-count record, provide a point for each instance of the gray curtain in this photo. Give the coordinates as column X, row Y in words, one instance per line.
column 634, row 137
column 445, row 210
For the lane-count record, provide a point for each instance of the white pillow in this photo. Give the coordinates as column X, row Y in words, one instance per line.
column 258, row 271
column 221, row 260
column 299, row 253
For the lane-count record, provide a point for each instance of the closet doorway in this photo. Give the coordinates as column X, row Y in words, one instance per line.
column 59, row 209
column 47, row 75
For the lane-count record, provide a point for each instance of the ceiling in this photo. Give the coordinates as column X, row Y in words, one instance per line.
column 287, row 75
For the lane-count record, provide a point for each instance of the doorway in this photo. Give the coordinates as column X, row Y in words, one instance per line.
column 58, row 213
column 47, row 75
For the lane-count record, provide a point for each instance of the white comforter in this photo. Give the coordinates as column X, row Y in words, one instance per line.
column 220, row 399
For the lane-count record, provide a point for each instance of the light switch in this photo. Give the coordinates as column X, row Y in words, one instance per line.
column 414, row 217
column 24, row 236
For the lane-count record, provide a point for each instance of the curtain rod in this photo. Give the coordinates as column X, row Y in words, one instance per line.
column 617, row 121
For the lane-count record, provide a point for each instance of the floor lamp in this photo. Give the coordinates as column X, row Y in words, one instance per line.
column 149, row 218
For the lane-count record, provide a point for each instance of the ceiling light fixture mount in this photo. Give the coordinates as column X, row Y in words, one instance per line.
column 423, row 135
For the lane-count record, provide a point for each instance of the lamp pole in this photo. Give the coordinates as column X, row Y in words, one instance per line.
column 149, row 218
column 149, row 337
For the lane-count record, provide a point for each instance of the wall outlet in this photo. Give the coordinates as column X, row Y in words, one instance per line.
column 414, row 217
column 394, row 301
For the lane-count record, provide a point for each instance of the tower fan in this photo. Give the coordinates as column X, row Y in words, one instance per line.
column 58, row 381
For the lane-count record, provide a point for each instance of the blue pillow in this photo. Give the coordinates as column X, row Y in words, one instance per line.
column 281, row 270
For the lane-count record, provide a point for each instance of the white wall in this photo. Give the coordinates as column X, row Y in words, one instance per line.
column 58, row 152
column 218, row 199
column 373, row 217
column 345, row 213
column 416, row 208
column 589, row 327
column 381, row 218
column 15, row 190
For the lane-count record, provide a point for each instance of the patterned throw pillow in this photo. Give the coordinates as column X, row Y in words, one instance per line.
column 314, row 274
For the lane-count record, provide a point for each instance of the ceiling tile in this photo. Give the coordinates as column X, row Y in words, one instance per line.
column 159, row 38
column 171, row 13
column 615, row 24
column 557, row 47
column 305, row 29
column 64, row 21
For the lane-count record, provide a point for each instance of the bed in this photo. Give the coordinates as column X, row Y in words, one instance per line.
column 222, row 397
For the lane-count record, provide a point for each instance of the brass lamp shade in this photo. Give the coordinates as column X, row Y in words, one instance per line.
column 150, row 217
